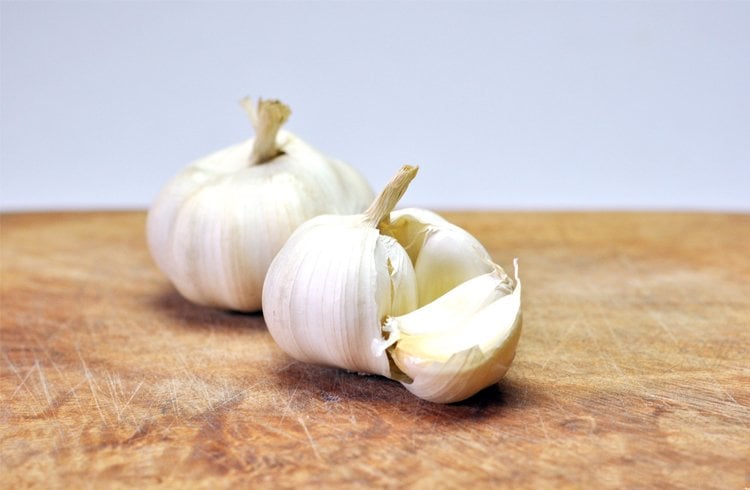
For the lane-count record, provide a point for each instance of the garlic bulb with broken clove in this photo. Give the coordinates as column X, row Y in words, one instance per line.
column 214, row 229
column 402, row 294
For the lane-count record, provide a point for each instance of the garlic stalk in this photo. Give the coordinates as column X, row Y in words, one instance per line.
column 216, row 226
column 403, row 294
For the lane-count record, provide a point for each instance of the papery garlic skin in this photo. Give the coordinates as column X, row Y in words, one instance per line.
column 321, row 302
column 216, row 226
column 346, row 291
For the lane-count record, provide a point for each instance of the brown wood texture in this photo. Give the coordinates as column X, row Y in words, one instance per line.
column 632, row 370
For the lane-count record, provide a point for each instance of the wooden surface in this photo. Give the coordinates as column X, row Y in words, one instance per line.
column 632, row 370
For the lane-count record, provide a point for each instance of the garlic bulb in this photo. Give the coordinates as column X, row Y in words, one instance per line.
column 402, row 294
column 214, row 229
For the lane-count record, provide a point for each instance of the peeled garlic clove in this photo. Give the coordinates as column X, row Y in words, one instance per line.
column 444, row 254
column 216, row 226
column 461, row 342
column 345, row 291
column 448, row 312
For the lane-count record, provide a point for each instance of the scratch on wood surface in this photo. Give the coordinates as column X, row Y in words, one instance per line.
column 553, row 354
column 722, row 390
column 309, row 438
column 22, row 384
column 92, row 382
column 288, row 404
column 113, row 392
column 285, row 367
column 607, row 356
column 279, row 431
column 206, row 396
column 714, row 381
column 352, row 415
column 543, row 425
column 175, row 407
column 663, row 325
column 615, row 365
column 43, row 381
column 743, row 408
column 605, row 320
column 43, row 348
column 137, row 388
column 235, row 396
column 73, row 392
column 199, row 384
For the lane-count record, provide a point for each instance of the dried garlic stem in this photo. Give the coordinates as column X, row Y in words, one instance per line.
column 267, row 119
column 379, row 212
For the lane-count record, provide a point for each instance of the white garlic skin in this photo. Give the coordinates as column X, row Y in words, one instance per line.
column 216, row 226
column 341, row 282
column 316, row 310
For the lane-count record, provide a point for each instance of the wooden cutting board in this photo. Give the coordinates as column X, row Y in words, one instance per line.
column 633, row 369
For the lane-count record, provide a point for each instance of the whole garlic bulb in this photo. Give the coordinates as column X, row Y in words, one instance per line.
column 403, row 294
column 216, row 226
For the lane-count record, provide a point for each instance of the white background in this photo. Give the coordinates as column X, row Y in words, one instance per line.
column 505, row 105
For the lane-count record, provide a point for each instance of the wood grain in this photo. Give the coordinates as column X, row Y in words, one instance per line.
column 632, row 370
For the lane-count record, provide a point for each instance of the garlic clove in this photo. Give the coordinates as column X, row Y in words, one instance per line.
column 400, row 276
column 460, row 343
column 454, row 307
column 443, row 315
column 459, row 320
column 464, row 374
column 444, row 254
